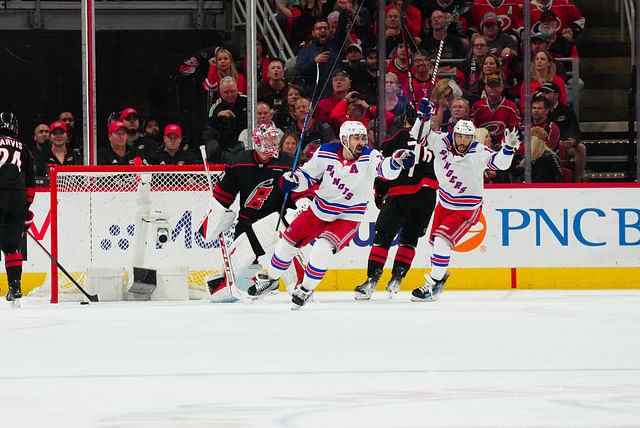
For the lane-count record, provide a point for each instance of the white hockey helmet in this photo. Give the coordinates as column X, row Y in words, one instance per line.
column 265, row 140
column 464, row 127
column 349, row 128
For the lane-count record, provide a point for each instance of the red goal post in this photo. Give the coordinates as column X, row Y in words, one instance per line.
column 94, row 210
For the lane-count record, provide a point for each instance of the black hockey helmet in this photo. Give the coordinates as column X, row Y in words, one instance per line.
column 8, row 124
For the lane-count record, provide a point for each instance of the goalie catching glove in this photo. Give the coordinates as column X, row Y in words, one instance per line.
column 512, row 139
column 217, row 220
column 402, row 159
column 288, row 182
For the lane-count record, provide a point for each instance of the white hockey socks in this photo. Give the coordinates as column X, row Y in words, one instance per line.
column 318, row 263
column 281, row 259
column 440, row 258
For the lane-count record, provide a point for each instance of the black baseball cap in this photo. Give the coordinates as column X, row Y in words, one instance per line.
column 340, row 72
column 550, row 87
column 494, row 79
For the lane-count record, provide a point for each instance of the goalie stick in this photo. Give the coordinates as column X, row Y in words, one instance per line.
column 91, row 297
column 228, row 269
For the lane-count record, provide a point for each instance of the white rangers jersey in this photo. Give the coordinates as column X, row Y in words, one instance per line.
column 460, row 177
column 345, row 186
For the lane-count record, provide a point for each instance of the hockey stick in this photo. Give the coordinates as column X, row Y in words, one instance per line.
column 431, row 85
column 91, row 297
column 312, row 108
column 304, row 129
column 228, row 270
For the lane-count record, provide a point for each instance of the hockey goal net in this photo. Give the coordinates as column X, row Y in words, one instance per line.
column 115, row 217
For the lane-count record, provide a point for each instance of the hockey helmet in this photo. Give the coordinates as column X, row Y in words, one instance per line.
column 464, row 127
column 265, row 140
column 8, row 124
column 349, row 128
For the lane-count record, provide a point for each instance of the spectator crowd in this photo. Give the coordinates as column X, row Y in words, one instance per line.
column 480, row 78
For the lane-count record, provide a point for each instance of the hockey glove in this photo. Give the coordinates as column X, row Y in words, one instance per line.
column 288, row 182
column 402, row 158
column 511, row 140
column 28, row 220
column 425, row 109
column 379, row 200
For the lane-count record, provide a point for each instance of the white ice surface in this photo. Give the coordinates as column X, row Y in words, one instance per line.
column 472, row 359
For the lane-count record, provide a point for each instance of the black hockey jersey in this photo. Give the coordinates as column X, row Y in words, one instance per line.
column 256, row 182
column 423, row 174
column 16, row 166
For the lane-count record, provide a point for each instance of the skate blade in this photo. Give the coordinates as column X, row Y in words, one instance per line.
column 295, row 307
column 14, row 303
column 360, row 296
column 263, row 295
column 425, row 299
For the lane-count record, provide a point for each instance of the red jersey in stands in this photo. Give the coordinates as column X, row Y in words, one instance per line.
column 401, row 72
column 554, row 135
column 495, row 118
column 567, row 16
column 509, row 13
column 420, row 88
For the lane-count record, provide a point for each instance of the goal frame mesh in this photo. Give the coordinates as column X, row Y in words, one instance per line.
column 197, row 189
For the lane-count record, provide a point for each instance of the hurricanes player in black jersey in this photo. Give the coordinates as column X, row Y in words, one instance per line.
column 17, row 185
column 253, row 175
column 408, row 204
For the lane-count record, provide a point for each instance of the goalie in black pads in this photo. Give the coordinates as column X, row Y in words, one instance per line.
column 406, row 208
column 17, row 185
column 253, row 175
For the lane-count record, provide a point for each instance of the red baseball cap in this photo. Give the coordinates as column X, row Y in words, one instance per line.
column 128, row 112
column 114, row 126
column 58, row 125
column 173, row 129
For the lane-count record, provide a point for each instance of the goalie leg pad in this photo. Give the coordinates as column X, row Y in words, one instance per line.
column 241, row 253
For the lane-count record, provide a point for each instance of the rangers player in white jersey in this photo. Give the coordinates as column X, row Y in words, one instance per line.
column 459, row 164
column 344, row 172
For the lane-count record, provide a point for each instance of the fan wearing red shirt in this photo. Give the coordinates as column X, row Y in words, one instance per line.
column 509, row 13
column 495, row 112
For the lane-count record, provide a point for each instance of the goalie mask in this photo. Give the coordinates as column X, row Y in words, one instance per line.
column 463, row 133
column 349, row 128
column 265, row 140
column 8, row 124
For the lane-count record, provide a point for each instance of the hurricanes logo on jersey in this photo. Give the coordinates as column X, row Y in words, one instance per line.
column 259, row 194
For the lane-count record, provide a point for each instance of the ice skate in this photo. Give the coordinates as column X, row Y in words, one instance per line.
column 393, row 286
column 263, row 286
column 365, row 290
column 14, row 294
column 300, row 297
column 431, row 290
